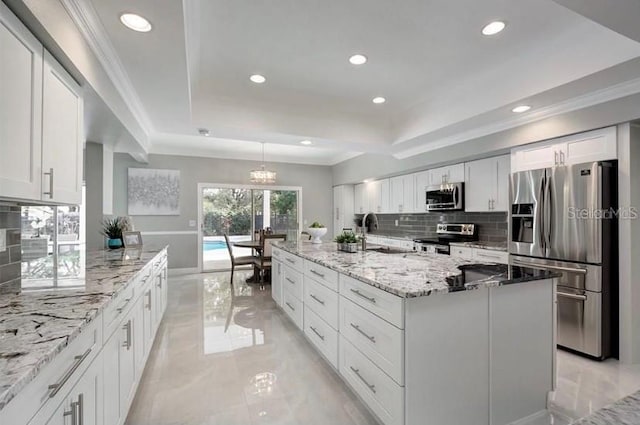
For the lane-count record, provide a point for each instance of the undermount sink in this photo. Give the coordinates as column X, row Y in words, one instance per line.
column 387, row 250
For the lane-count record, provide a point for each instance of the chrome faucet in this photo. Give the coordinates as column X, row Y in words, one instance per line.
column 364, row 228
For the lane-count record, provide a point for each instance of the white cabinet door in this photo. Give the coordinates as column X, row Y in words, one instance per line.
column 126, row 370
column 480, row 185
column 361, row 200
column 276, row 282
column 343, row 208
column 111, row 386
column 408, row 195
column 449, row 174
column 422, row 180
column 148, row 320
column 20, row 109
column 597, row 145
column 384, row 196
column 138, row 337
column 396, row 186
column 62, row 135
column 374, row 196
column 533, row 158
column 501, row 200
column 88, row 395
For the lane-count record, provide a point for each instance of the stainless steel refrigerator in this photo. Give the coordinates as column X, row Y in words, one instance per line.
column 565, row 219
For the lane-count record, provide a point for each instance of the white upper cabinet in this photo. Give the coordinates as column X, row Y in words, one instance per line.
column 41, row 130
column 449, row 174
column 487, row 185
column 596, row 145
column 422, row 180
column 378, row 196
column 62, row 131
column 343, row 208
column 361, row 198
column 402, row 194
column 20, row 102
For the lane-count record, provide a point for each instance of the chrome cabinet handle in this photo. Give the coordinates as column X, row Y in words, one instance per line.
column 55, row 388
column 369, row 337
column 73, row 412
column 80, row 405
column 357, row 372
column 290, row 281
column 572, row 296
column 317, row 299
column 159, row 284
column 127, row 327
column 489, row 203
column 360, row 294
column 50, row 192
column 126, row 302
column 562, row 157
column 555, row 157
column 317, row 273
column 290, row 306
column 317, row 333
column 291, row 261
column 148, row 294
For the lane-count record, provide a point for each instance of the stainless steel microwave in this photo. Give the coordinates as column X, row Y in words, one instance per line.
column 445, row 197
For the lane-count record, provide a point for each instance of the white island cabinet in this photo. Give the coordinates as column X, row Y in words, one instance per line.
column 93, row 380
column 470, row 357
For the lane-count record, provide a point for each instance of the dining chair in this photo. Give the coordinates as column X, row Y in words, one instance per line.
column 263, row 263
column 245, row 260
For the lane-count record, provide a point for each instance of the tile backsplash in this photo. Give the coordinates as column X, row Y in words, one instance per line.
column 10, row 258
column 492, row 227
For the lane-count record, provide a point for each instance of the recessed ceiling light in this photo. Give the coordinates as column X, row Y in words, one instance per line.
column 257, row 78
column 358, row 59
column 520, row 109
column 493, row 28
column 306, row 142
column 204, row 132
column 378, row 100
column 135, row 22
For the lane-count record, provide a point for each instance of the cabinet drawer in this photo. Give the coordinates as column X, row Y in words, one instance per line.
column 292, row 282
column 491, row 256
column 322, row 274
column 383, row 396
column 377, row 301
column 63, row 372
column 293, row 307
column 462, row 252
column 323, row 336
column 379, row 340
column 322, row 300
column 293, row 261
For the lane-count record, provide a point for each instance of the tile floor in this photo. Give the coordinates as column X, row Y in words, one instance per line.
column 224, row 357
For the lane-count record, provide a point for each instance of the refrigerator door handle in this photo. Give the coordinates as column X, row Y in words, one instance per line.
column 540, row 215
column 575, row 270
column 547, row 213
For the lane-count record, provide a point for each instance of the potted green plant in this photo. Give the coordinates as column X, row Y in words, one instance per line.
column 316, row 230
column 112, row 229
column 347, row 242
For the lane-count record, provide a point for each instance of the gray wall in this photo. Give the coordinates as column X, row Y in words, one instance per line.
column 317, row 196
column 94, row 198
column 10, row 266
column 377, row 165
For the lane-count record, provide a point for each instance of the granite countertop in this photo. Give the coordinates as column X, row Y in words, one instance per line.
column 35, row 325
column 493, row 246
column 411, row 274
column 623, row 412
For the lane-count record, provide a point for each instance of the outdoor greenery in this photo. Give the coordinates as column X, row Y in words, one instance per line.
column 229, row 211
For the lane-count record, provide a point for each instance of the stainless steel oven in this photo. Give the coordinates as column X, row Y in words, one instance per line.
column 445, row 197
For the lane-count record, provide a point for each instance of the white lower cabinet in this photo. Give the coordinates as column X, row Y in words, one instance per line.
column 383, row 396
column 323, row 336
column 322, row 300
column 293, row 307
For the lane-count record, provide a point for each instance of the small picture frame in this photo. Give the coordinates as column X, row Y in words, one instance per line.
column 132, row 239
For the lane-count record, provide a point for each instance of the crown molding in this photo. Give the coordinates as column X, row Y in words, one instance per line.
column 596, row 97
column 86, row 19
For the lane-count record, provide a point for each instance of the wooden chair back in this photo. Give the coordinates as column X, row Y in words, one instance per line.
column 267, row 240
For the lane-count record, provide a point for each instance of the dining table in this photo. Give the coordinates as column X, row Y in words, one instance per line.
column 257, row 246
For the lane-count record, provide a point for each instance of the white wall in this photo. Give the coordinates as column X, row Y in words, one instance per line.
column 317, row 196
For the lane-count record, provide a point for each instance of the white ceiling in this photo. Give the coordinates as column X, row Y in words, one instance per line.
column 444, row 82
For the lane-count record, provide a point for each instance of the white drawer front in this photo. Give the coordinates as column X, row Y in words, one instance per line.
column 292, row 281
column 321, row 274
column 293, row 261
column 323, row 336
column 383, row 304
column 383, row 396
column 293, row 307
column 491, row 256
column 379, row 340
column 462, row 252
column 322, row 300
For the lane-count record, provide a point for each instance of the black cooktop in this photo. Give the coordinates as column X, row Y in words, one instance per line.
column 499, row 273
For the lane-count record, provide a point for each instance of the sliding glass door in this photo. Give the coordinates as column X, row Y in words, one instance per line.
column 239, row 212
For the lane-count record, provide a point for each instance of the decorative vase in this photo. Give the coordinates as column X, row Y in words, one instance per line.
column 348, row 247
column 316, row 233
column 114, row 243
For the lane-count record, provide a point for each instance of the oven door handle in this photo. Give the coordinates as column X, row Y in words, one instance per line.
column 549, row 266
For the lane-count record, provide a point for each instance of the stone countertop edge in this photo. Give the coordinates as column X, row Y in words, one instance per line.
column 491, row 246
column 623, row 412
column 437, row 288
column 8, row 392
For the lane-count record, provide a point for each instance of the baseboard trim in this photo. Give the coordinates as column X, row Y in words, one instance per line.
column 183, row 271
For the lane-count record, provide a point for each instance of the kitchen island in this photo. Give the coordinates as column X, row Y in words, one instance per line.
column 425, row 338
column 78, row 350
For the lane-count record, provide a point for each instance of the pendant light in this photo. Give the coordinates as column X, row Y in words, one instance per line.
column 262, row 176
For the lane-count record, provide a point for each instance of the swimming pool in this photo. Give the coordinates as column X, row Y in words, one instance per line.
column 214, row 245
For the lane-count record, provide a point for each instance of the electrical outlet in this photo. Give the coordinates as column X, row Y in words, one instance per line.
column 3, row 240
column 192, row 223
column 396, row 223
